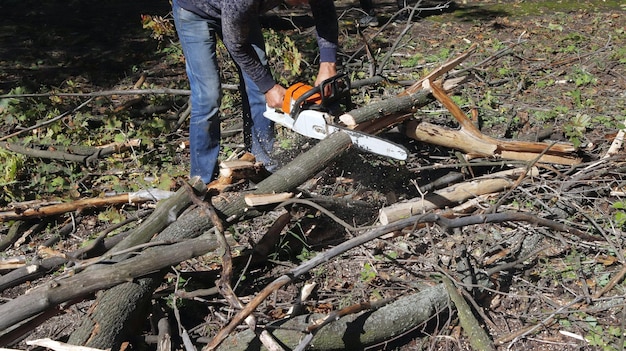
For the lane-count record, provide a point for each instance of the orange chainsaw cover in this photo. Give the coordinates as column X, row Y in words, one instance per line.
column 295, row 91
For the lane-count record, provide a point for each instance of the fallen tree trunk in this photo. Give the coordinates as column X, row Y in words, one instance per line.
column 355, row 331
column 285, row 179
column 81, row 284
column 95, row 331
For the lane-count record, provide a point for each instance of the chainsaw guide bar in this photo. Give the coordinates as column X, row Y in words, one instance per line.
column 306, row 111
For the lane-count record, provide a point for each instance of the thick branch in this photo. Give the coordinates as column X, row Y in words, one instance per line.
column 56, row 209
column 477, row 335
column 355, row 331
column 166, row 212
column 471, row 141
column 453, row 194
column 412, row 97
column 67, row 155
column 79, row 285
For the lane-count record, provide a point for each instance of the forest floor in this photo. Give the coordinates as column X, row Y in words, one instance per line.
column 560, row 76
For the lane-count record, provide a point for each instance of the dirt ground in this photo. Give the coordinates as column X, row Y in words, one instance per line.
column 560, row 77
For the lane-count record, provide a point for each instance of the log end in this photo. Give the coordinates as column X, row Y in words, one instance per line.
column 348, row 120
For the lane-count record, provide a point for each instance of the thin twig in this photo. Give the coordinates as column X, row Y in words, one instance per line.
column 521, row 177
column 340, row 249
column 513, row 337
column 223, row 283
column 45, row 123
column 103, row 93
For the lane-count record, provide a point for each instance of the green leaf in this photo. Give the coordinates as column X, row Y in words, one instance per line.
column 620, row 205
column 119, row 138
column 557, row 27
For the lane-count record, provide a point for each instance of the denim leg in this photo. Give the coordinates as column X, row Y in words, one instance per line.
column 198, row 40
column 259, row 133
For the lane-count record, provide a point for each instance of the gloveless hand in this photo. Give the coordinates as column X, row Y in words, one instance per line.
column 327, row 70
column 275, row 96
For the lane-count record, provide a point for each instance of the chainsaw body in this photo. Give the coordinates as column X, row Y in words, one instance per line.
column 309, row 111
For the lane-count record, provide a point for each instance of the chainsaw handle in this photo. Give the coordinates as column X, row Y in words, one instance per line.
column 297, row 106
column 339, row 90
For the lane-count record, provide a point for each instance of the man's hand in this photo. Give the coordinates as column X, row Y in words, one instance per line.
column 275, row 96
column 327, row 70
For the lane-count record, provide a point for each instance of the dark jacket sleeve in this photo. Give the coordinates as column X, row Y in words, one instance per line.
column 327, row 28
column 238, row 19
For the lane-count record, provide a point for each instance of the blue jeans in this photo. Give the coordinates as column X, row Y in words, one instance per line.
column 198, row 37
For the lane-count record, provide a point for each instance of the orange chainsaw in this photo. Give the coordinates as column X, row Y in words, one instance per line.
column 308, row 111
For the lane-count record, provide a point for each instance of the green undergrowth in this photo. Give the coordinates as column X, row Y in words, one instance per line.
column 535, row 7
column 155, row 163
column 159, row 161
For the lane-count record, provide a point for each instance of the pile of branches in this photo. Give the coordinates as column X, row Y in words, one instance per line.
column 125, row 271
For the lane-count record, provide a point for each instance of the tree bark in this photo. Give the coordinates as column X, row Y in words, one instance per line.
column 476, row 144
column 352, row 332
column 55, row 209
column 453, row 194
column 116, row 314
column 192, row 224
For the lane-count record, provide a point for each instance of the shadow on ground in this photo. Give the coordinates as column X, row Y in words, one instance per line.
column 48, row 42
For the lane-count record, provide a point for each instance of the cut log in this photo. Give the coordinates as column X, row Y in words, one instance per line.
column 476, row 144
column 451, row 195
column 194, row 223
column 254, row 200
column 233, row 171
